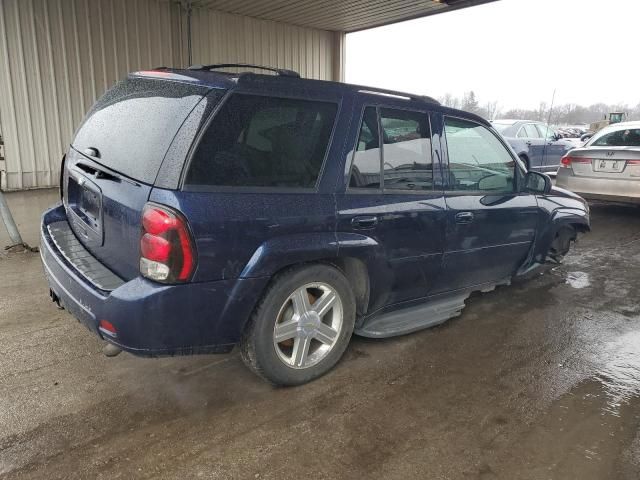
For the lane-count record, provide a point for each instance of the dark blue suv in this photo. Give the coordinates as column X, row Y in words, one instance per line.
column 203, row 209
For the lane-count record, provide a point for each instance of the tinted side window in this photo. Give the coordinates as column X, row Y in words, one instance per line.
column 258, row 141
column 406, row 151
column 477, row 159
column 365, row 170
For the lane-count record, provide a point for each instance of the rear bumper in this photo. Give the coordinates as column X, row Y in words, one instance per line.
column 608, row 189
column 152, row 319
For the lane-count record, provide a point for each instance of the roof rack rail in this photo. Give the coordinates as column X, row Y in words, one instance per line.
column 283, row 72
column 429, row 99
column 401, row 95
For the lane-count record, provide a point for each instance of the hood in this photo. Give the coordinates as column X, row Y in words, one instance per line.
column 572, row 200
column 561, row 192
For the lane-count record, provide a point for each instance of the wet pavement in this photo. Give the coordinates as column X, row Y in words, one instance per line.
column 538, row 380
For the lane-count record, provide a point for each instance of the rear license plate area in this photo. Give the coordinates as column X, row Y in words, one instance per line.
column 609, row 166
column 84, row 209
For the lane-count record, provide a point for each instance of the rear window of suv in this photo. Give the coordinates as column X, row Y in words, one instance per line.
column 134, row 123
column 260, row 141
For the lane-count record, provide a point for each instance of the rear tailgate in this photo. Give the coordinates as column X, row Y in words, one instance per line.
column 114, row 160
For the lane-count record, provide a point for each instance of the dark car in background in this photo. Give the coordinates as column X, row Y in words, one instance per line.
column 539, row 146
column 201, row 210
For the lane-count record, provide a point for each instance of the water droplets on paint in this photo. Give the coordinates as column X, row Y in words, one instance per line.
column 578, row 279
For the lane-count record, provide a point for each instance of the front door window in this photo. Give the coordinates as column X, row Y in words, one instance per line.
column 478, row 161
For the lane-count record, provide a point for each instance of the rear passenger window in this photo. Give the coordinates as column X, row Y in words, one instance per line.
column 405, row 154
column 406, row 151
column 257, row 141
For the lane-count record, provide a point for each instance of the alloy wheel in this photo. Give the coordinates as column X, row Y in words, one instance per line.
column 308, row 325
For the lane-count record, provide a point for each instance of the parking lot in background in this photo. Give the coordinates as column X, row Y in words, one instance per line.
column 537, row 380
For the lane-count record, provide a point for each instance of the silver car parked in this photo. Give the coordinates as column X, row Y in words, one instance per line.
column 607, row 167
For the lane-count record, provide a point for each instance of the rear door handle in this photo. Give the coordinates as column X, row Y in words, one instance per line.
column 528, row 143
column 365, row 221
column 464, row 217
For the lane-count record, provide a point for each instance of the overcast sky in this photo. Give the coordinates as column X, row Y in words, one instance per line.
column 513, row 51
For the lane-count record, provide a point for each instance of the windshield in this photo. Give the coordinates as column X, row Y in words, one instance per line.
column 628, row 137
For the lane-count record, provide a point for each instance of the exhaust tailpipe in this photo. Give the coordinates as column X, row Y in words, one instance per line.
column 110, row 350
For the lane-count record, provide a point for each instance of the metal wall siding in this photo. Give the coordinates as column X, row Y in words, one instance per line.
column 223, row 37
column 57, row 57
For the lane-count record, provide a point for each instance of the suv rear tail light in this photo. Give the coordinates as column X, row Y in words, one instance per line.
column 567, row 160
column 167, row 252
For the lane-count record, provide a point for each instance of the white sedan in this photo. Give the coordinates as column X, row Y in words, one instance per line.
column 607, row 167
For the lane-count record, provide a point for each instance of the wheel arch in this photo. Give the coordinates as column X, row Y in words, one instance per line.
column 561, row 218
column 357, row 256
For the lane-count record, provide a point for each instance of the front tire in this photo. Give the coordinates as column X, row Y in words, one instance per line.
column 301, row 326
column 562, row 243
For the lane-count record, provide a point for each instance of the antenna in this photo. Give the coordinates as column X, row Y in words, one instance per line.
column 553, row 97
column 544, row 148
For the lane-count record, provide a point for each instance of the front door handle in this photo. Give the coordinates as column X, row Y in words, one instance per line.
column 364, row 222
column 464, row 217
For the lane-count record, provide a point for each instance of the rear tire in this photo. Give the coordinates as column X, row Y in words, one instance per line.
column 301, row 326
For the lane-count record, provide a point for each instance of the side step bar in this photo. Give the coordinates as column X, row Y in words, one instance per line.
column 417, row 317
column 411, row 319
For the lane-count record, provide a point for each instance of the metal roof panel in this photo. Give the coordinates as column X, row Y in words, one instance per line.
column 337, row 15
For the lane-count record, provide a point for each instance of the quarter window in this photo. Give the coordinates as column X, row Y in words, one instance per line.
column 257, row 141
column 528, row 131
column 478, row 161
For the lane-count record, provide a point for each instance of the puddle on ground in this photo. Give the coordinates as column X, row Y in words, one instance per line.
column 620, row 371
column 578, row 279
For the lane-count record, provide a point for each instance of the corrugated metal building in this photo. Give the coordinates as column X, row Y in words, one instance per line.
column 58, row 56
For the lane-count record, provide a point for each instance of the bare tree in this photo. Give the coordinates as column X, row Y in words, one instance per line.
column 491, row 110
column 562, row 114
column 450, row 101
column 470, row 102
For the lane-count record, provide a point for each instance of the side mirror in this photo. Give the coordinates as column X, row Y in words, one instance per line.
column 536, row 182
